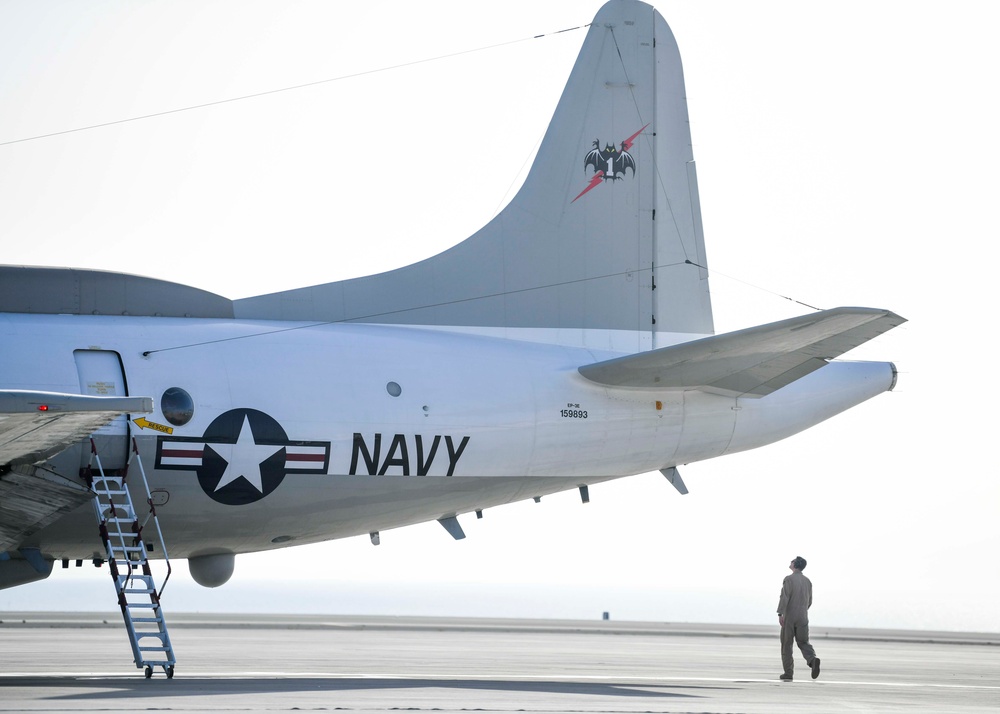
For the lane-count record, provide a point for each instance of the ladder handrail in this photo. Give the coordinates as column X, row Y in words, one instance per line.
column 152, row 514
column 112, row 515
column 112, row 508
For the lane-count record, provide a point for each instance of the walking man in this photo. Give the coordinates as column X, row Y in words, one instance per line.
column 793, row 616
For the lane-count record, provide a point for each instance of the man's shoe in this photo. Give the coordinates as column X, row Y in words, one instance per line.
column 815, row 667
column 785, row 678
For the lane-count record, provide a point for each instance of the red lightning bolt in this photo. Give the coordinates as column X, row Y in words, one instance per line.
column 599, row 176
column 627, row 144
column 596, row 179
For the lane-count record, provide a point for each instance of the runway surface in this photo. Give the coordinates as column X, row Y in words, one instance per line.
column 82, row 662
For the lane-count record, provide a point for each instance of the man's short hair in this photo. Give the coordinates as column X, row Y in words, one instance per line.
column 799, row 562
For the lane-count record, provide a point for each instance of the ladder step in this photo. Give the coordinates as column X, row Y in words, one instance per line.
column 119, row 523
column 123, row 580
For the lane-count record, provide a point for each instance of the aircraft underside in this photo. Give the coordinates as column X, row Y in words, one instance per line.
column 365, row 505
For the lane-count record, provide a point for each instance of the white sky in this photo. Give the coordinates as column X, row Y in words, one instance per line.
column 847, row 155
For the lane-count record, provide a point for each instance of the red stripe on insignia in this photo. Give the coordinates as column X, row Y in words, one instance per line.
column 305, row 457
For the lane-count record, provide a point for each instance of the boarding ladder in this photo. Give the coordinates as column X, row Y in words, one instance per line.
column 127, row 556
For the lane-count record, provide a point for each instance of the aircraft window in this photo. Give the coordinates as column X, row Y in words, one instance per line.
column 394, row 389
column 177, row 406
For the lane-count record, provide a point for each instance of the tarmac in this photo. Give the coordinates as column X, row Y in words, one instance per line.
column 82, row 662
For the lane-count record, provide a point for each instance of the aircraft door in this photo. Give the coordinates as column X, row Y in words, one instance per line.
column 101, row 374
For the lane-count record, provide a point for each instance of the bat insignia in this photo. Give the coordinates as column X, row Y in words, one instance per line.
column 610, row 163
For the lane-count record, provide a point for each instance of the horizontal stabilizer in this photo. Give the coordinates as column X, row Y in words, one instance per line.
column 753, row 362
column 35, row 426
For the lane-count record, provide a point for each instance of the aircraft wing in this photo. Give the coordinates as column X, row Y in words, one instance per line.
column 34, row 426
column 751, row 363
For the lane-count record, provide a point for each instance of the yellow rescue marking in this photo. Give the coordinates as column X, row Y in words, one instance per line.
column 144, row 423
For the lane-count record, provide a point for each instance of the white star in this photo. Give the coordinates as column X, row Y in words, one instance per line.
column 244, row 458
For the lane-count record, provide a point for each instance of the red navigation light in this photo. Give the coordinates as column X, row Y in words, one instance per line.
column 43, row 407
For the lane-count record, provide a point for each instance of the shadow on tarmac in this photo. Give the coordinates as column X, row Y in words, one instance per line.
column 129, row 688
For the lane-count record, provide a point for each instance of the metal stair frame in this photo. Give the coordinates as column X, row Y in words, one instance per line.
column 127, row 557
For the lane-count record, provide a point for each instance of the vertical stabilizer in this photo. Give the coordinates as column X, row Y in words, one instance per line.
column 604, row 235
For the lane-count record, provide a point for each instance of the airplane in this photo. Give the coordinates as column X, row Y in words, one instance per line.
column 568, row 342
